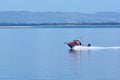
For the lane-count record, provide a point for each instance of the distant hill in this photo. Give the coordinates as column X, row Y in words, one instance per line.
column 26, row 17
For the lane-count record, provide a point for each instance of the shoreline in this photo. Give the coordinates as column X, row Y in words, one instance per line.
column 15, row 26
column 18, row 25
column 59, row 26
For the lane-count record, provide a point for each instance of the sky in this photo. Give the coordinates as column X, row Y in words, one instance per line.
column 84, row 6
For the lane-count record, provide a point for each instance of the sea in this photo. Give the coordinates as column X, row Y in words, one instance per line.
column 40, row 53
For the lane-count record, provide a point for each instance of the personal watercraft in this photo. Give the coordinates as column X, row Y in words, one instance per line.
column 76, row 42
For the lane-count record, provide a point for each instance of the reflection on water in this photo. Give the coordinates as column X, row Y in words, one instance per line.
column 78, row 55
column 73, row 51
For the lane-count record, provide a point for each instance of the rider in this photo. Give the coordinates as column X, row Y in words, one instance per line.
column 77, row 42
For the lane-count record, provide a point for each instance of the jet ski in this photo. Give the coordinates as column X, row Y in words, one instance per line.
column 76, row 42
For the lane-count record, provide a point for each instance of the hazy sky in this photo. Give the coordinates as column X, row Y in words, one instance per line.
column 84, row 6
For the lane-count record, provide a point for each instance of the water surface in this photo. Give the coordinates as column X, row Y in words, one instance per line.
column 40, row 54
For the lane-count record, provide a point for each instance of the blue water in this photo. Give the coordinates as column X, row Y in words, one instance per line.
column 40, row 54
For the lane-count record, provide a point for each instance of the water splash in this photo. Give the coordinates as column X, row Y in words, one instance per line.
column 94, row 47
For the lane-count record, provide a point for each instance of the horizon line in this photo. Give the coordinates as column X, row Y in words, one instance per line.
column 61, row 11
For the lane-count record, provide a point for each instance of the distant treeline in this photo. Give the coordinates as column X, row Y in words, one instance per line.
column 37, row 24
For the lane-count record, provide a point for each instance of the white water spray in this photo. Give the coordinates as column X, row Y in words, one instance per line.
column 94, row 47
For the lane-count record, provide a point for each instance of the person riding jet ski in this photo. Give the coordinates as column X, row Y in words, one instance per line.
column 76, row 42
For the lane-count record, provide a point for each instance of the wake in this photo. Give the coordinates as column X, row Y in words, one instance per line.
column 94, row 47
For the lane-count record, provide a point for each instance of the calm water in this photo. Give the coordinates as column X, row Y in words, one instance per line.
column 40, row 54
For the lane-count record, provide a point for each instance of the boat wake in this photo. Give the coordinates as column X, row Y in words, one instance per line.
column 94, row 47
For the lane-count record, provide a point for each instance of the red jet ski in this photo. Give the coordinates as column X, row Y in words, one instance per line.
column 75, row 42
